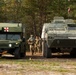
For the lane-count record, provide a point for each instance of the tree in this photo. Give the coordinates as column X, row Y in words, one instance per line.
column 34, row 13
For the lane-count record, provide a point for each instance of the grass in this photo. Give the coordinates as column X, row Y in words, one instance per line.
column 40, row 65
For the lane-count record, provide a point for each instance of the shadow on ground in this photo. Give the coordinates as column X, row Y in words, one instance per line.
column 39, row 56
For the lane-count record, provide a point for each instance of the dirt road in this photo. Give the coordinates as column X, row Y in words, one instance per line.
column 38, row 65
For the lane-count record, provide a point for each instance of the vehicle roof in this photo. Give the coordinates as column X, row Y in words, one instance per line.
column 57, row 17
column 10, row 25
column 47, row 25
column 69, row 21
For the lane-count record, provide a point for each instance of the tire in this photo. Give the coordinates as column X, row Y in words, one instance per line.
column 73, row 53
column 23, row 52
column 43, row 49
column 0, row 55
column 22, row 55
column 46, row 51
column 17, row 53
column 1, row 52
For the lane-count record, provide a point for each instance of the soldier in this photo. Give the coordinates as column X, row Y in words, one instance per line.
column 37, row 44
column 31, row 41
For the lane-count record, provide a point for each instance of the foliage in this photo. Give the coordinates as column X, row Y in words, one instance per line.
column 33, row 13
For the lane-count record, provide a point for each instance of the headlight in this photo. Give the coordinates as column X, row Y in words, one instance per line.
column 17, row 43
column 10, row 45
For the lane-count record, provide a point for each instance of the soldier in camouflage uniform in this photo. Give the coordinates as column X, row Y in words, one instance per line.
column 37, row 44
column 31, row 42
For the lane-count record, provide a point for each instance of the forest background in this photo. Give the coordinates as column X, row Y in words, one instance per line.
column 34, row 13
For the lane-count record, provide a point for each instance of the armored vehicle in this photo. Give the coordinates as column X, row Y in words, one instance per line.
column 58, row 36
column 12, row 39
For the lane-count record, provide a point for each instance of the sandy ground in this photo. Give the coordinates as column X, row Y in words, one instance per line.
column 37, row 65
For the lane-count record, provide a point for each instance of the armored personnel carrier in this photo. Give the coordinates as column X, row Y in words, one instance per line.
column 58, row 36
column 12, row 39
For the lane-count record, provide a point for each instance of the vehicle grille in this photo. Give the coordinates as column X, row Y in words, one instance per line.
column 3, row 45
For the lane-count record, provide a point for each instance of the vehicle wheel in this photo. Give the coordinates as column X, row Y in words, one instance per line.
column 22, row 51
column 43, row 49
column 0, row 55
column 17, row 53
column 22, row 55
column 73, row 53
column 48, row 53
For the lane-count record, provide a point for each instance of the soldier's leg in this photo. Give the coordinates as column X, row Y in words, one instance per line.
column 35, row 49
column 30, row 48
column 38, row 48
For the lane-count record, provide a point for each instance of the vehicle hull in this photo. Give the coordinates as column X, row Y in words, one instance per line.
column 62, row 43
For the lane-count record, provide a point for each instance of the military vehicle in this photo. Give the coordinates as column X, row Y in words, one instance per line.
column 12, row 39
column 59, row 36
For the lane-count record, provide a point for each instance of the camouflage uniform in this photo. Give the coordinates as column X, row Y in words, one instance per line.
column 31, row 41
column 37, row 44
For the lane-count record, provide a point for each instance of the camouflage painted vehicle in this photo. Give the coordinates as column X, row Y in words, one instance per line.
column 12, row 39
column 58, row 36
